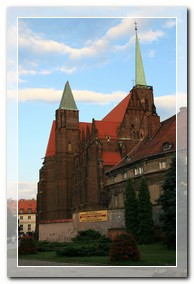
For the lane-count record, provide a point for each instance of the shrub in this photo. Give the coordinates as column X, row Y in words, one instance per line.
column 86, row 243
column 27, row 246
column 78, row 249
column 44, row 246
column 124, row 248
column 90, row 236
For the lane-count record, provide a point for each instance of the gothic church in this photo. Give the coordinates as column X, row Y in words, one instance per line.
column 79, row 154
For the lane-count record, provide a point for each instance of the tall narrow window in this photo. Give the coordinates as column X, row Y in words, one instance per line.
column 69, row 148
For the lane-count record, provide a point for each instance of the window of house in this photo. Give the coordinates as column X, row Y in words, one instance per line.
column 124, row 175
column 116, row 200
column 21, row 227
column 166, row 146
column 29, row 210
column 29, row 227
column 29, row 217
column 162, row 165
column 21, row 217
column 21, row 210
column 138, row 171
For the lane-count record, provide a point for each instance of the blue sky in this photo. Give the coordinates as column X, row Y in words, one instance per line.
column 97, row 57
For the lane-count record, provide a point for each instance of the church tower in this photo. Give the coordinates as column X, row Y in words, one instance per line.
column 67, row 143
column 55, row 182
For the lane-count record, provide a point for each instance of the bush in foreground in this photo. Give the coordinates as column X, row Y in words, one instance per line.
column 86, row 243
column 124, row 248
column 27, row 246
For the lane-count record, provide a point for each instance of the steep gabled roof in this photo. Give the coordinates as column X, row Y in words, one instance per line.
column 107, row 128
column 154, row 146
column 117, row 114
column 50, row 151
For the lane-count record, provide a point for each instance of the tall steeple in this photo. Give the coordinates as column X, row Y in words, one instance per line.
column 67, row 100
column 139, row 70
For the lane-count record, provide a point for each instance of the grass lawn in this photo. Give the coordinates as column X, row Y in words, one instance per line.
column 151, row 255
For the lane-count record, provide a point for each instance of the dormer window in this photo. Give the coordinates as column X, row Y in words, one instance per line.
column 127, row 159
column 108, row 138
column 166, row 146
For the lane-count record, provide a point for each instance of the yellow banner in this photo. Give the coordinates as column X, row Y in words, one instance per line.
column 93, row 216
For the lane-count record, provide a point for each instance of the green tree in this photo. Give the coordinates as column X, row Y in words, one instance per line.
column 167, row 200
column 146, row 225
column 131, row 209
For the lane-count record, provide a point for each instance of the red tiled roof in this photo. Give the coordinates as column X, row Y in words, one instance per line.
column 111, row 158
column 83, row 126
column 154, row 146
column 50, row 151
column 107, row 128
column 118, row 112
column 26, row 204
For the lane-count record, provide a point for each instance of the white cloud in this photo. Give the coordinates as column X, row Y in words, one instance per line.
column 52, row 95
column 66, row 69
column 170, row 104
column 27, row 190
column 90, row 49
column 170, row 24
column 120, row 30
column 166, row 102
column 21, row 190
column 150, row 36
column 25, row 72
column 98, row 98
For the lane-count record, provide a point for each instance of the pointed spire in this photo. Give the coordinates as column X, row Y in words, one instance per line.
column 67, row 100
column 139, row 70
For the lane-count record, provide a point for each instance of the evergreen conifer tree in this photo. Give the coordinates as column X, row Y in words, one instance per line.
column 131, row 209
column 167, row 200
column 146, row 225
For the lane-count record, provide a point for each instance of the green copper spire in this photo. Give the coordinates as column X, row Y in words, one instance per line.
column 67, row 100
column 139, row 71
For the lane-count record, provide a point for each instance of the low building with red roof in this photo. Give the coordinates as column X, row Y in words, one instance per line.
column 27, row 216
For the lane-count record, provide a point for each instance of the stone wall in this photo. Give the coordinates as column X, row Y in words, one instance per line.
column 64, row 231
column 57, row 232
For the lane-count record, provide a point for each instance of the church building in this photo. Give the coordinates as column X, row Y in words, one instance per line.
column 80, row 180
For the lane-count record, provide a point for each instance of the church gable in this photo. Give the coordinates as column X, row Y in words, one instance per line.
column 117, row 114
